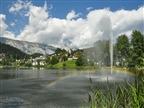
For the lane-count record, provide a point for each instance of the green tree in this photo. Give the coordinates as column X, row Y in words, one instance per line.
column 64, row 58
column 64, row 65
column 137, row 50
column 11, row 57
column 123, row 45
column 54, row 60
column 58, row 50
column 4, row 62
column 48, row 60
column 80, row 61
column 28, row 64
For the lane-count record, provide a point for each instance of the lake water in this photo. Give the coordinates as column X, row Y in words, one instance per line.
column 32, row 88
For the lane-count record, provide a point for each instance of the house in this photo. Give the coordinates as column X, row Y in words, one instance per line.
column 42, row 57
column 51, row 55
column 42, row 63
column 2, row 55
column 117, row 63
column 75, row 55
column 60, row 59
column 18, row 60
column 74, row 58
column 70, row 58
column 34, row 63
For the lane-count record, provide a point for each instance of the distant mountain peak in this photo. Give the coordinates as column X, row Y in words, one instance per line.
column 31, row 48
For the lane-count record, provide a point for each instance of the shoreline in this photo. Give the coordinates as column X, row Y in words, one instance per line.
column 63, row 68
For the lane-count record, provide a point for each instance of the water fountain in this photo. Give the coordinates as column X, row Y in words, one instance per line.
column 111, row 47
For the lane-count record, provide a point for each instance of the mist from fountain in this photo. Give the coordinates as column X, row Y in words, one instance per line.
column 107, row 35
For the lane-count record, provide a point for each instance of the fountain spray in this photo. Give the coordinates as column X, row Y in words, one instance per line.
column 111, row 47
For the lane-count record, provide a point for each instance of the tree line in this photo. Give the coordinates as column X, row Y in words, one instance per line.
column 127, row 51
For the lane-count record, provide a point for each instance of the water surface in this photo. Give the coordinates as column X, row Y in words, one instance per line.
column 32, row 88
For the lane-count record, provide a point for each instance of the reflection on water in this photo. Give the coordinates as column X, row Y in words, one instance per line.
column 13, row 102
column 31, row 88
column 16, row 73
column 31, row 73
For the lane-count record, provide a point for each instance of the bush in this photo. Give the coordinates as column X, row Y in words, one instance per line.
column 79, row 61
column 64, row 64
column 54, row 60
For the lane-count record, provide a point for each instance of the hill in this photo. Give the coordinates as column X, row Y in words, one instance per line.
column 31, row 48
column 12, row 52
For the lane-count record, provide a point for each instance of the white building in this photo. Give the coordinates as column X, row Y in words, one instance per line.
column 42, row 63
column 34, row 63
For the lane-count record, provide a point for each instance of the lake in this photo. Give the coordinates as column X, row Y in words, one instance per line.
column 42, row 88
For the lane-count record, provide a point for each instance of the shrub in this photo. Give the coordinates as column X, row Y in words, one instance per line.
column 79, row 61
column 122, row 96
column 54, row 60
column 64, row 64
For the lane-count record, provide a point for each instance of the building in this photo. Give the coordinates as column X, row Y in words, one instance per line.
column 34, row 63
column 2, row 55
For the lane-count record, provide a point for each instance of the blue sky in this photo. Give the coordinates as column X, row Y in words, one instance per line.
column 67, row 21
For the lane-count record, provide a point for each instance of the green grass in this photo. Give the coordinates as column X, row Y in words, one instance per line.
column 70, row 65
column 1, row 66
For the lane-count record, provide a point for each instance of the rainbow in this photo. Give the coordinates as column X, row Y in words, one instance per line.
column 83, row 71
column 62, row 78
column 121, row 70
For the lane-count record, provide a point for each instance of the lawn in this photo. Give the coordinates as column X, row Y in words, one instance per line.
column 70, row 65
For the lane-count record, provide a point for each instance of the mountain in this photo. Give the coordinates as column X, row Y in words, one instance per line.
column 31, row 48
column 10, row 51
column 60, row 46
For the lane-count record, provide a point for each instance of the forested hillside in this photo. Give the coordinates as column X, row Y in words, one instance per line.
column 11, row 52
column 14, row 53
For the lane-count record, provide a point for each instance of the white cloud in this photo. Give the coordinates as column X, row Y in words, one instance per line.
column 37, row 23
column 72, row 15
column 19, row 5
column 89, row 8
column 12, row 24
column 127, row 20
column 75, row 31
column 3, row 28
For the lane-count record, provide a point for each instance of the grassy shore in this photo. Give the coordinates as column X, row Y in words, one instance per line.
column 70, row 65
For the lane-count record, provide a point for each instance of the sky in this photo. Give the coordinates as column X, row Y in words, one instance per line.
column 74, row 23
